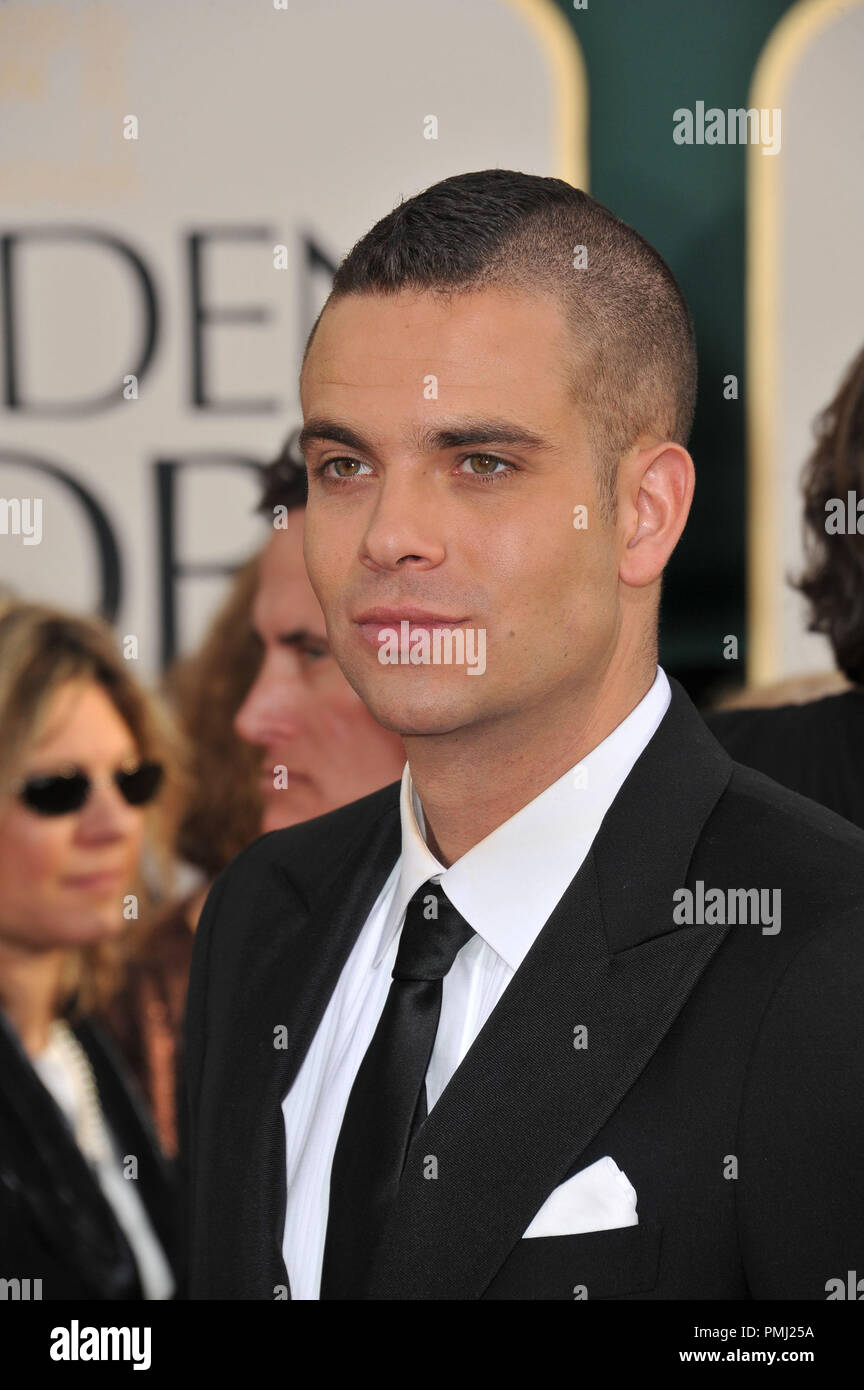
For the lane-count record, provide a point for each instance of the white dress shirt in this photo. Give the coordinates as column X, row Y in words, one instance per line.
column 506, row 887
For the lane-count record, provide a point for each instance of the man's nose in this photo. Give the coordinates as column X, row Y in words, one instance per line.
column 271, row 710
column 405, row 526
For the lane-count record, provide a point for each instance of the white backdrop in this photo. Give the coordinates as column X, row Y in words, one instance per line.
column 256, row 127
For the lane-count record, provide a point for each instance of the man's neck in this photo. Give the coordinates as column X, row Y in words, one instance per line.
column 475, row 779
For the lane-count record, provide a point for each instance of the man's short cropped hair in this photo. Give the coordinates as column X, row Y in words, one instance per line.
column 632, row 370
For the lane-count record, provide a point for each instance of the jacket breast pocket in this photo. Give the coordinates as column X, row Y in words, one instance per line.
column 597, row 1264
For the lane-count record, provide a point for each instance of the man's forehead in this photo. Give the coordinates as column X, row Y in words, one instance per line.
column 361, row 337
column 461, row 362
column 284, row 592
column 284, row 550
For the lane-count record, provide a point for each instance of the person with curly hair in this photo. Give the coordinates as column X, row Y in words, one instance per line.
column 815, row 746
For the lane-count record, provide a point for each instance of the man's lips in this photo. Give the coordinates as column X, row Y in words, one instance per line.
column 372, row 621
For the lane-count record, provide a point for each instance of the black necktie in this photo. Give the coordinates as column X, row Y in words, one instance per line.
column 387, row 1103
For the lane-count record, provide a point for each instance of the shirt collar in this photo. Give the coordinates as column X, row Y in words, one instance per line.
column 507, row 885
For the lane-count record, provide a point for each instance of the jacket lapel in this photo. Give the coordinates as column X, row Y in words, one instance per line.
column 298, row 959
column 526, row 1102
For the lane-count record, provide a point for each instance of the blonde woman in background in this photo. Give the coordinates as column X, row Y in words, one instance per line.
column 87, row 1201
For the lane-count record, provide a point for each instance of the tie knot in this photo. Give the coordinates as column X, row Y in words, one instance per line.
column 432, row 937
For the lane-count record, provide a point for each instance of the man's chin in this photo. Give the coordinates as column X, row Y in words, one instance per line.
column 413, row 715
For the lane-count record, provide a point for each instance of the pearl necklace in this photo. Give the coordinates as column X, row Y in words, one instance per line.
column 65, row 1051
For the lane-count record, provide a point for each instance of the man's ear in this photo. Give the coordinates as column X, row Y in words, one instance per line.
column 655, row 492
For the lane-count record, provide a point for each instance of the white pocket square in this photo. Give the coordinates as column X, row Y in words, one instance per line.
column 599, row 1198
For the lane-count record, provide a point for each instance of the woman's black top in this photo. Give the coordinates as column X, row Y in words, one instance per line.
column 55, row 1222
column 816, row 749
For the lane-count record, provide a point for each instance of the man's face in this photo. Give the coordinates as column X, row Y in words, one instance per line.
column 465, row 528
column 322, row 748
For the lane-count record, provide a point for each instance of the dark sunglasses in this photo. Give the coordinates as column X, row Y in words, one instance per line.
column 62, row 793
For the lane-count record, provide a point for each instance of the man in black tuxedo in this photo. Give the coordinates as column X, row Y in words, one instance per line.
column 573, row 1011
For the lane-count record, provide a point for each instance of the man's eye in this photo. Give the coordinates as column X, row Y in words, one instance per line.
column 352, row 468
column 491, row 466
column 314, row 651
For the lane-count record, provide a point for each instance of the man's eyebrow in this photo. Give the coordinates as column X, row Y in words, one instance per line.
column 464, row 433
column 429, row 439
column 321, row 430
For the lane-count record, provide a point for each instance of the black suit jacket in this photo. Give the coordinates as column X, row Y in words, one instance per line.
column 724, row 1071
